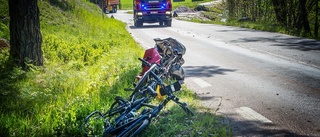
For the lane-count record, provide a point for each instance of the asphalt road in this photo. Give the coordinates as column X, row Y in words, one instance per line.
column 265, row 84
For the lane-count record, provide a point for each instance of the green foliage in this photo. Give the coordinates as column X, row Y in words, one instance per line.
column 4, row 30
column 4, row 19
column 63, row 5
column 4, row 8
column 293, row 17
column 126, row 4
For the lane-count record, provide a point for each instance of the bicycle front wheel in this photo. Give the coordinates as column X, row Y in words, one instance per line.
column 144, row 124
column 94, row 124
column 117, row 107
column 136, row 130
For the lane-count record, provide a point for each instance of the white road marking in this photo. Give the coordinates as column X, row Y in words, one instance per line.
column 252, row 115
column 201, row 83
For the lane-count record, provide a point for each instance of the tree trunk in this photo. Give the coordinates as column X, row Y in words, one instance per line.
column 316, row 25
column 231, row 8
column 25, row 36
column 280, row 10
column 303, row 18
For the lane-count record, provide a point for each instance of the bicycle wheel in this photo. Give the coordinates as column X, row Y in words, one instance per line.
column 141, row 128
column 142, row 81
column 136, row 130
column 94, row 124
column 117, row 107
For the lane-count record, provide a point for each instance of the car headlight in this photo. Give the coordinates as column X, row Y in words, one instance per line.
column 168, row 12
column 139, row 13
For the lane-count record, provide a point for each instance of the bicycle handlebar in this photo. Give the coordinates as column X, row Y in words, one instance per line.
column 145, row 62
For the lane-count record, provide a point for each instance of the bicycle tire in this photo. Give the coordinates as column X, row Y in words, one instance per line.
column 117, row 107
column 141, row 128
column 136, row 130
column 142, row 81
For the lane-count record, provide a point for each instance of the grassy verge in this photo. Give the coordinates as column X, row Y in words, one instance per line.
column 173, row 121
column 89, row 59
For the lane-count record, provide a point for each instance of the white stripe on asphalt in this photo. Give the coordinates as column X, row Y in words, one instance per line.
column 201, row 83
column 252, row 115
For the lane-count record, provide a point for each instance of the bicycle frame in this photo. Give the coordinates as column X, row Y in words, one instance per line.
column 127, row 127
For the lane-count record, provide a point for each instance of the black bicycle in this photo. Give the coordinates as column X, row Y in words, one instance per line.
column 126, row 118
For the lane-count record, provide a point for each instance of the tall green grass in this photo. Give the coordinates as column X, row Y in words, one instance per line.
column 4, row 19
column 88, row 61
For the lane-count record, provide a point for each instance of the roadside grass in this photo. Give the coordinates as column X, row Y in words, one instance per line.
column 88, row 60
column 173, row 121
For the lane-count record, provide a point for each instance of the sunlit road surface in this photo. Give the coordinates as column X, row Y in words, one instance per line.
column 265, row 84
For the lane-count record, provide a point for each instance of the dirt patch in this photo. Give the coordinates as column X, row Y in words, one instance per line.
column 4, row 44
column 185, row 13
column 183, row 9
column 208, row 11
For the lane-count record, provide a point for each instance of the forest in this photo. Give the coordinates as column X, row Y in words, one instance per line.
column 296, row 17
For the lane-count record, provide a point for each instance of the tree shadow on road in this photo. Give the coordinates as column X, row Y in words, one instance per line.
column 256, row 128
column 205, row 71
column 288, row 42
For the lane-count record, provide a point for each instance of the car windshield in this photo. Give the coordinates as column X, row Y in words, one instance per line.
column 152, row 1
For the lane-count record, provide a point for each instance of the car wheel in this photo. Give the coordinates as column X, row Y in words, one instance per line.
column 169, row 23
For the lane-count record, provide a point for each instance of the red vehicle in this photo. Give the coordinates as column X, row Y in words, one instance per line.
column 109, row 6
column 152, row 11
